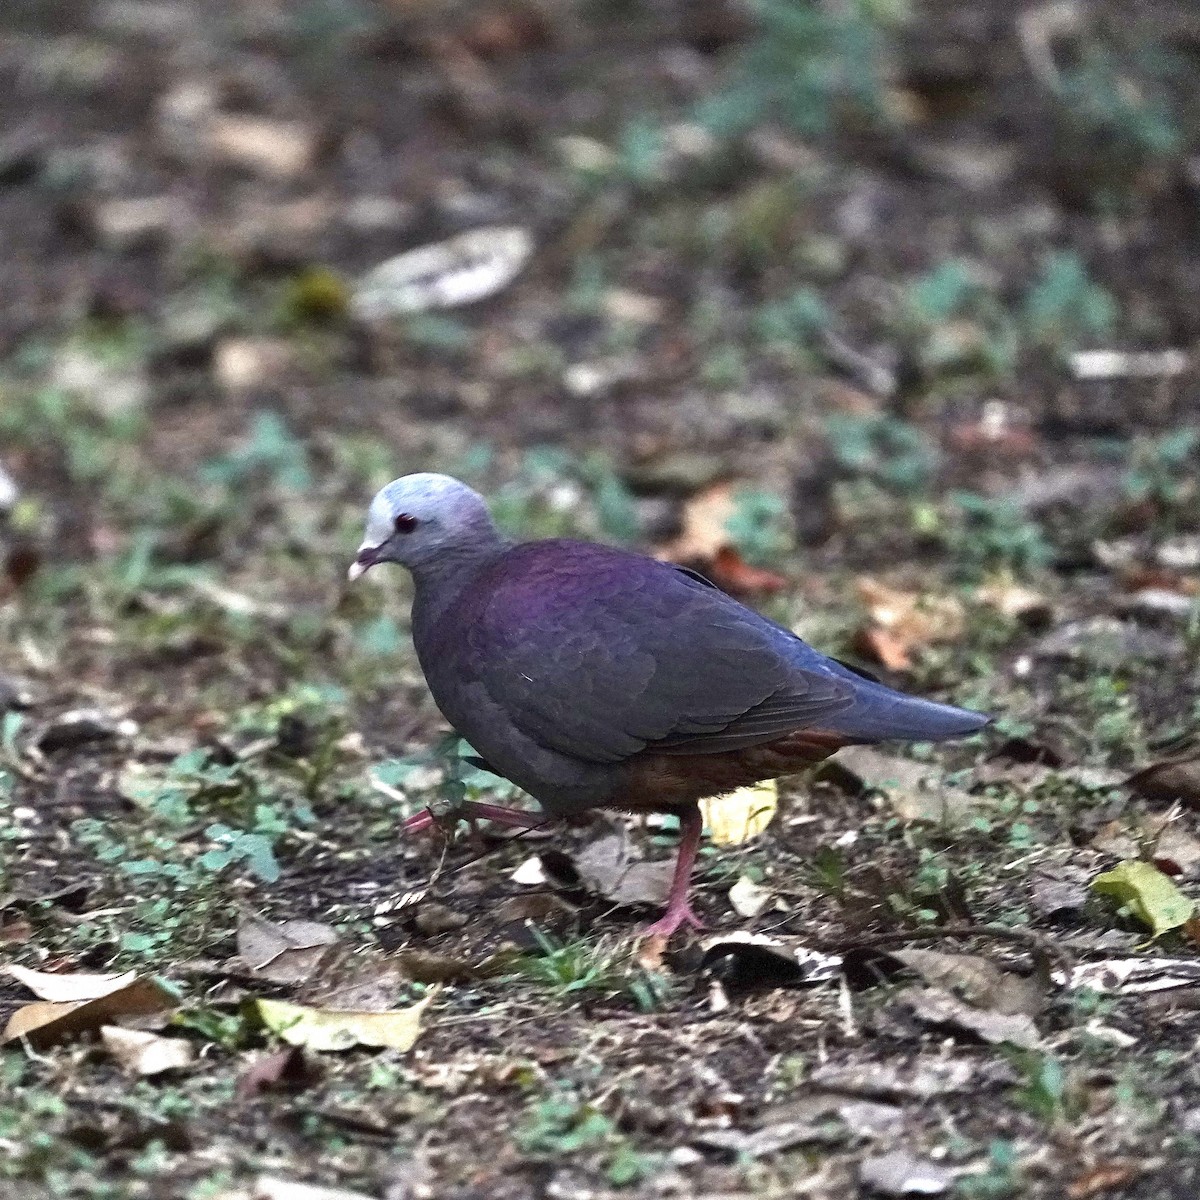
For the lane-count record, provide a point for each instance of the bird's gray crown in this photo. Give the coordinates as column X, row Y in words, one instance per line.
column 445, row 518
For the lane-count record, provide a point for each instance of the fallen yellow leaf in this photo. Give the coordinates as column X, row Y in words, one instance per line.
column 739, row 816
column 329, row 1029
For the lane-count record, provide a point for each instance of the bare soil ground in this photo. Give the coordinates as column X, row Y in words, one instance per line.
column 830, row 353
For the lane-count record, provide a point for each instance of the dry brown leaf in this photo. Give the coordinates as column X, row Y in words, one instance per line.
column 141, row 1053
column 706, row 516
column 936, row 1007
column 884, row 647
column 913, row 789
column 650, row 951
column 69, row 987
column 610, row 868
column 899, row 622
column 286, row 1069
column 1169, row 780
column 732, row 573
column 975, row 979
column 291, row 952
column 1014, row 600
column 1104, row 1177
column 47, row 1022
column 705, row 543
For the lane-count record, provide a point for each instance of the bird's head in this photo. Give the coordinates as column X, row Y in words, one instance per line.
column 418, row 519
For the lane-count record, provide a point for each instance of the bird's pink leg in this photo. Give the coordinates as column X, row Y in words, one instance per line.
column 679, row 911
column 515, row 817
column 472, row 810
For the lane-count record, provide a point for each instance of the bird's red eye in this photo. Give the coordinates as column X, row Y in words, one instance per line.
column 405, row 524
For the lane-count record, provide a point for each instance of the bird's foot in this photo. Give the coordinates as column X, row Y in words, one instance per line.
column 472, row 810
column 671, row 920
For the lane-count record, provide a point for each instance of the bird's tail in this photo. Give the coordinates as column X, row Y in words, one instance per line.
column 880, row 714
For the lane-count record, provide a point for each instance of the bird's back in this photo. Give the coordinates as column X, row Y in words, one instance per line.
column 597, row 653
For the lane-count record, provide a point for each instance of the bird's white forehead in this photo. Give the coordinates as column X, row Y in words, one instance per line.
column 421, row 495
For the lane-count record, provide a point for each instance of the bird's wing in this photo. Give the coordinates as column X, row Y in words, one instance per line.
column 602, row 654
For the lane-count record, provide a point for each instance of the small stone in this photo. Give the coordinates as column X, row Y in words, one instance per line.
column 22, row 153
column 284, row 234
column 124, row 225
column 241, row 364
column 146, row 19
column 81, row 727
column 185, row 108
column 269, row 148
column 901, row 1173
column 112, row 390
column 188, row 330
column 9, row 492
column 377, row 214
column 433, row 918
column 634, row 308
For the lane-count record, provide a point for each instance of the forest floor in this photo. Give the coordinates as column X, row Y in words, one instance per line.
column 915, row 371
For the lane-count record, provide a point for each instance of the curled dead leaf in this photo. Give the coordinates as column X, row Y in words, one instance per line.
column 139, row 1052
column 69, row 987
column 46, row 1022
column 933, row 1006
column 913, row 789
column 706, row 544
column 290, row 952
column 610, row 868
column 462, row 270
column 285, row 1069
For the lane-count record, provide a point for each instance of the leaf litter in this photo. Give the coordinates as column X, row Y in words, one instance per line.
column 1148, row 894
column 291, row 952
column 51, row 1021
column 139, row 1052
column 332, row 1030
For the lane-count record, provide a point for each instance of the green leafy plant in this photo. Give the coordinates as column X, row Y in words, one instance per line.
column 809, row 65
column 891, row 452
column 1001, row 1178
column 563, row 1123
column 1162, row 470
column 795, row 321
column 759, row 525
column 1065, row 307
column 567, row 968
column 991, row 534
column 1048, row 1090
column 271, row 450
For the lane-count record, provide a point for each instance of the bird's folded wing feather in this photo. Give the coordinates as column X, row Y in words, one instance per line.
column 604, row 666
